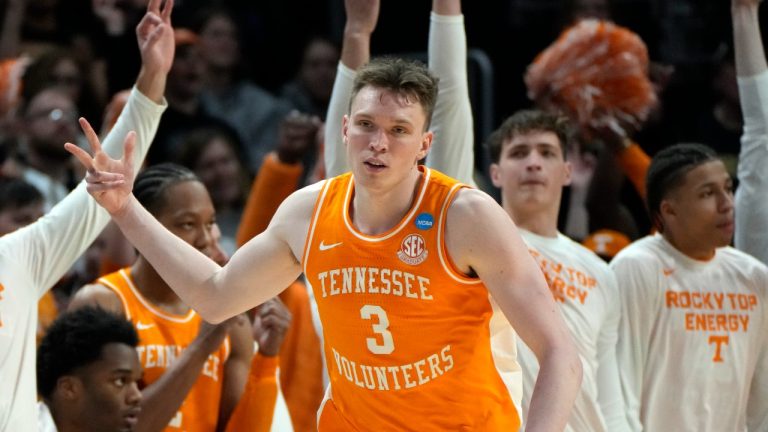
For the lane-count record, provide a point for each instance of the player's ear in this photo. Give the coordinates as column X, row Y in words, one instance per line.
column 69, row 387
column 495, row 175
column 568, row 170
column 426, row 144
column 344, row 128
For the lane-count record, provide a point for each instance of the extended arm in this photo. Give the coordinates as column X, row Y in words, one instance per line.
column 355, row 52
column 453, row 152
column 495, row 251
column 218, row 293
column 751, row 209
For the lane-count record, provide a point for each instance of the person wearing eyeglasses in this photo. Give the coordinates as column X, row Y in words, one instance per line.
column 48, row 119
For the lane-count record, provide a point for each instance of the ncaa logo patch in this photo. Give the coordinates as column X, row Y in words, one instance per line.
column 424, row 221
column 413, row 249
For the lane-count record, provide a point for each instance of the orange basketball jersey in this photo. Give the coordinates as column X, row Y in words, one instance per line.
column 406, row 334
column 162, row 338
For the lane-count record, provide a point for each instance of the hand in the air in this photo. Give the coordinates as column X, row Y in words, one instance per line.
column 108, row 180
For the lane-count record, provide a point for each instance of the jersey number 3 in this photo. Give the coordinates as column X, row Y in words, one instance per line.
column 383, row 344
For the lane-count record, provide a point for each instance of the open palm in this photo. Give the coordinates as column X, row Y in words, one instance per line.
column 109, row 181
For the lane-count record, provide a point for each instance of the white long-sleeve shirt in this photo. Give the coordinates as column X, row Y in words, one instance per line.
column 693, row 350
column 33, row 258
column 587, row 293
column 752, row 193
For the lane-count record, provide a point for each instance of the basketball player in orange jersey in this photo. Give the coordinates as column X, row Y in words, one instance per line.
column 401, row 259
column 194, row 374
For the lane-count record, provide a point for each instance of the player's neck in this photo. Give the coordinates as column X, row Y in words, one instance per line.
column 689, row 247
column 375, row 212
column 66, row 422
column 153, row 288
column 541, row 222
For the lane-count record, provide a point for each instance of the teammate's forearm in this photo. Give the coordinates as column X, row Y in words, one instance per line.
column 151, row 83
column 446, row 7
column 161, row 400
column 748, row 46
column 356, row 49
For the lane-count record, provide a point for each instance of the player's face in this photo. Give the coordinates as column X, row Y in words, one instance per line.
column 188, row 213
column 699, row 212
column 111, row 395
column 531, row 171
column 385, row 136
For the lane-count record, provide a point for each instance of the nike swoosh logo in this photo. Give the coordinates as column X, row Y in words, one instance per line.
column 324, row 247
column 142, row 326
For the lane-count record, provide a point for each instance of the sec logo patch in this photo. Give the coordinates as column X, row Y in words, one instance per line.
column 413, row 250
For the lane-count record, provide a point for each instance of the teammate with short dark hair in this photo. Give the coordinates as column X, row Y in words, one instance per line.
column 692, row 343
column 87, row 373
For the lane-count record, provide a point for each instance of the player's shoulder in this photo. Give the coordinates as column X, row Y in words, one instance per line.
column 470, row 200
column 303, row 200
column 743, row 261
column 647, row 247
column 97, row 294
column 644, row 254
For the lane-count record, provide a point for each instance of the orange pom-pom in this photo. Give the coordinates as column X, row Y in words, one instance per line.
column 597, row 72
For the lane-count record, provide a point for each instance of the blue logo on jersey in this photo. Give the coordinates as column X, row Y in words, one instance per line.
column 424, row 221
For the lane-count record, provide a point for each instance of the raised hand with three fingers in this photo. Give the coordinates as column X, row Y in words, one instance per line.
column 109, row 181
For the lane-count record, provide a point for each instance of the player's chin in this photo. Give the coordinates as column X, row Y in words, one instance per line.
column 722, row 239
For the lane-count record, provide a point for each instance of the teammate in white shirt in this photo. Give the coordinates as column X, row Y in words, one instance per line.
column 33, row 258
column 693, row 352
column 529, row 166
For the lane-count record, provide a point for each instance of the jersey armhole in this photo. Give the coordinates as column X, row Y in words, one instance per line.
column 445, row 259
column 313, row 223
column 110, row 286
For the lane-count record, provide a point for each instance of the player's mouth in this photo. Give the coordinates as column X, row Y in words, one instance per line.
column 373, row 164
column 131, row 418
column 532, row 182
column 726, row 225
